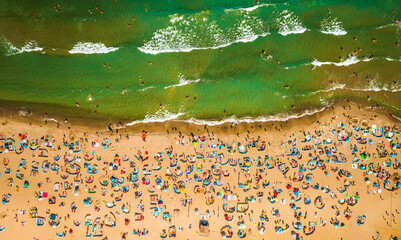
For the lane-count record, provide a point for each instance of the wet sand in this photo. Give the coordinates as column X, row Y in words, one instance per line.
column 160, row 136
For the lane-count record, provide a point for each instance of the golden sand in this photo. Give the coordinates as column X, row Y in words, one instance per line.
column 379, row 205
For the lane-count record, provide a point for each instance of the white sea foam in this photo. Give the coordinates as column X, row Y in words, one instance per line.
column 91, row 48
column 182, row 82
column 250, row 9
column 176, row 18
column 196, row 32
column 398, row 118
column 290, row 66
column 289, row 23
column 333, row 88
column 30, row 46
column 374, row 86
column 332, row 26
column 234, row 120
column 164, row 115
column 347, row 62
column 51, row 119
column 161, row 115
column 393, row 60
column 146, row 88
column 389, row 25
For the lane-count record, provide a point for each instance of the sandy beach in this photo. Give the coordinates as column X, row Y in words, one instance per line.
column 331, row 175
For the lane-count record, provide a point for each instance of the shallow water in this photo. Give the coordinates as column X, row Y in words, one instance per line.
column 204, row 49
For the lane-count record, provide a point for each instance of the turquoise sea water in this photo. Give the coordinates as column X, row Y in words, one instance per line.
column 124, row 59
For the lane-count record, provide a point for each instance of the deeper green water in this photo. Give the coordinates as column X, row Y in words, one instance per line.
column 204, row 49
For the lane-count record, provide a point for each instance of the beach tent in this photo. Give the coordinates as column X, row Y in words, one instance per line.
column 6, row 198
column 54, row 220
column 163, row 235
column 261, row 227
column 172, row 232
column 126, row 208
column 110, row 220
column 281, row 229
column 179, row 187
column 33, row 212
column 43, row 152
column 228, row 209
column 139, row 216
column 210, row 200
column 40, row 221
column 226, row 231
column 204, row 227
column 9, row 144
column 319, row 204
column 241, row 233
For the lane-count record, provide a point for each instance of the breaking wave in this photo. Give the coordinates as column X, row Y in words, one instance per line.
column 10, row 49
column 183, row 81
column 289, row 23
column 91, row 48
column 202, row 31
column 332, row 26
column 161, row 115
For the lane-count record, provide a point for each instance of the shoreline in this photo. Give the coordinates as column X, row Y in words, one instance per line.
column 25, row 115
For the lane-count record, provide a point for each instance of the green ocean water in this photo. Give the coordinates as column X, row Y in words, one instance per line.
column 149, row 60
